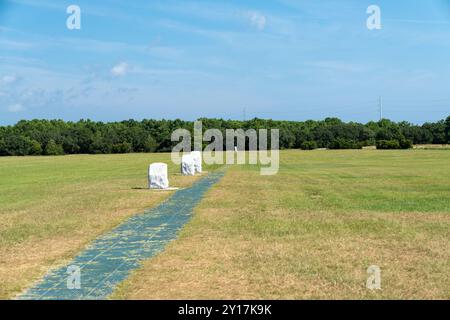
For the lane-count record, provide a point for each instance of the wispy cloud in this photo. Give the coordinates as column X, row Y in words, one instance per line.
column 120, row 69
column 15, row 45
column 9, row 79
column 212, row 53
column 89, row 9
column 257, row 19
column 39, row 3
column 217, row 13
column 15, row 108
column 416, row 21
column 335, row 65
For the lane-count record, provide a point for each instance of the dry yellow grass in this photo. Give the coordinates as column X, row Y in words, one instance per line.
column 312, row 231
column 52, row 207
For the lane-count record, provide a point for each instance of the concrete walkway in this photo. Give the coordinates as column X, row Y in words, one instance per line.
column 110, row 259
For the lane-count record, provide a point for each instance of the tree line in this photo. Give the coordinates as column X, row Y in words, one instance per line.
column 58, row 137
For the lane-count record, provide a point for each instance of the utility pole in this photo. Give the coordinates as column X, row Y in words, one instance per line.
column 380, row 105
column 245, row 114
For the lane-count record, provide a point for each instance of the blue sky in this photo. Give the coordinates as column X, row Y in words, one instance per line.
column 280, row 59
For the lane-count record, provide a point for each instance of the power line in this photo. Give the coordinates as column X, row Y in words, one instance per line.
column 362, row 108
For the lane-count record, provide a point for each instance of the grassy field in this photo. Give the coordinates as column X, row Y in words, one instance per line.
column 51, row 207
column 309, row 232
column 312, row 232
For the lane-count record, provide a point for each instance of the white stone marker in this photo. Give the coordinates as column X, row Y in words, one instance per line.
column 187, row 165
column 197, row 155
column 158, row 176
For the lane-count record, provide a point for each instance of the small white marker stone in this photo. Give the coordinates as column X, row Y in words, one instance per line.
column 158, row 176
column 197, row 156
column 187, row 165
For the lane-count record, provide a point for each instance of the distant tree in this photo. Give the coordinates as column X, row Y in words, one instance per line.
column 405, row 143
column 3, row 151
column 150, row 144
column 388, row 144
column 447, row 129
column 323, row 136
column 309, row 145
column 418, row 135
column 124, row 147
column 99, row 144
column 70, row 145
column 342, row 143
column 437, row 130
column 53, row 149
column 333, row 121
column 15, row 144
column 366, row 136
column 35, row 148
column 287, row 139
column 38, row 137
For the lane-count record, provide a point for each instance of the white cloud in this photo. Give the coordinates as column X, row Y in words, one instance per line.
column 15, row 45
column 8, row 79
column 15, row 108
column 257, row 19
column 120, row 69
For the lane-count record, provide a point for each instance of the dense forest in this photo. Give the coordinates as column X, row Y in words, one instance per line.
column 58, row 137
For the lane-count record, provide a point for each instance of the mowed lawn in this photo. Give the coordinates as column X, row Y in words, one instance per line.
column 309, row 232
column 312, row 231
column 52, row 207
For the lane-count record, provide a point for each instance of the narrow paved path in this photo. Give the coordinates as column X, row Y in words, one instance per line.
column 110, row 259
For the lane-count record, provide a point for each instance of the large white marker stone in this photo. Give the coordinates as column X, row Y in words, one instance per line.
column 187, row 165
column 158, row 176
column 197, row 155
